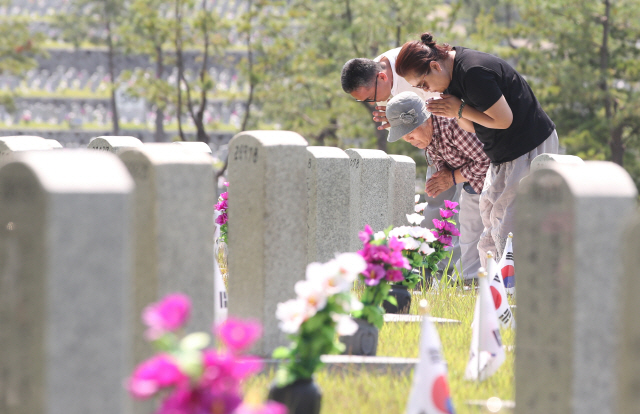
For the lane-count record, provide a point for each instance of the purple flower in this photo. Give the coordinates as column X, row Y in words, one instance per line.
column 450, row 204
column 366, row 234
column 445, row 240
column 222, row 219
column 395, row 244
column 224, row 195
column 238, row 335
column 396, row 259
column 445, row 214
column 153, row 374
column 168, row 315
column 451, row 228
column 373, row 274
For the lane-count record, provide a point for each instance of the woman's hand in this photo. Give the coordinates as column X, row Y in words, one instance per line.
column 448, row 106
column 380, row 115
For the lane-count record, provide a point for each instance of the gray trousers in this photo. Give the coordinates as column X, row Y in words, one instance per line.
column 471, row 228
column 497, row 201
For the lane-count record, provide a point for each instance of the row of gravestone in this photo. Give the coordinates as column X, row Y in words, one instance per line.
column 88, row 238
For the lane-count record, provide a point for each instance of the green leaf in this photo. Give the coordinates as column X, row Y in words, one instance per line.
column 281, row 352
column 392, row 300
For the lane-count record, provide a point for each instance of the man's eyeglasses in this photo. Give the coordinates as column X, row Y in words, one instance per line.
column 375, row 93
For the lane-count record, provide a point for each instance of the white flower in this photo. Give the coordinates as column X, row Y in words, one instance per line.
column 410, row 243
column 417, row 198
column 426, row 249
column 312, row 293
column 346, row 326
column 291, row 315
column 428, row 236
column 417, row 232
column 399, row 232
column 379, row 235
column 419, row 208
column 415, row 218
column 350, row 265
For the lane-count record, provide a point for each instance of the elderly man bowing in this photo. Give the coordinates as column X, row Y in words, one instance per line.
column 457, row 156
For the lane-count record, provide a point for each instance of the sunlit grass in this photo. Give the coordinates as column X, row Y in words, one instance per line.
column 363, row 392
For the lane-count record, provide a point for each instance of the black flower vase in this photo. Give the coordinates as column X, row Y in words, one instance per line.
column 300, row 397
column 403, row 298
column 363, row 342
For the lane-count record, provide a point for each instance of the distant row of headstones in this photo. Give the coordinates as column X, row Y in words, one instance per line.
column 89, row 238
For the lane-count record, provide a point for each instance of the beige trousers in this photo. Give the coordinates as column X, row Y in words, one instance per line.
column 497, row 201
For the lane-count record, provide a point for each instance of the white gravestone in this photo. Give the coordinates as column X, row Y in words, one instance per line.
column 569, row 221
column 195, row 146
column 114, row 144
column 545, row 160
column 173, row 231
column 369, row 192
column 65, row 273
column 267, row 226
column 328, row 203
column 20, row 143
column 402, row 189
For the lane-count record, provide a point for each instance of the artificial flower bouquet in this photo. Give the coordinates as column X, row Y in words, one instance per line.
column 443, row 231
column 385, row 264
column 222, row 206
column 320, row 310
column 192, row 378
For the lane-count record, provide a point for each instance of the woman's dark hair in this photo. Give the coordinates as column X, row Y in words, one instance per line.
column 416, row 56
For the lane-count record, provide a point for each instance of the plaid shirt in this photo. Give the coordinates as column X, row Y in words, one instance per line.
column 454, row 148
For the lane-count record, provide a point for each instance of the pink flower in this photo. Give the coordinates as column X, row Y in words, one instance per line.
column 450, row 204
column 394, row 275
column 438, row 225
column 270, row 407
column 225, row 195
column 157, row 372
column 238, row 335
column 222, row 219
column 395, row 244
column 445, row 214
column 222, row 205
column 200, row 400
column 168, row 315
column 226, row 184
column 366, row 234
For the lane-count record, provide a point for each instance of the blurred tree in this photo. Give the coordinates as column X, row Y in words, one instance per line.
column 581, row 59
column 18, row 51
column 146, row 29
column 96, row 22
column 299, row 58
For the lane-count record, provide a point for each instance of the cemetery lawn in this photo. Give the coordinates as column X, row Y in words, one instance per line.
column 370, row 393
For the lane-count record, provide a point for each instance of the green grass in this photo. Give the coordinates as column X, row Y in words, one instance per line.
column 375, row 393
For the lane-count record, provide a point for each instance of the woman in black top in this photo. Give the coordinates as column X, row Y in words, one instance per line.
column 489, row 97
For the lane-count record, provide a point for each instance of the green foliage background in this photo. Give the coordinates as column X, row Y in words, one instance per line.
column 581, row 58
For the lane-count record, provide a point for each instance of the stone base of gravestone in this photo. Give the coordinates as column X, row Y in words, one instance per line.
column 349, row 364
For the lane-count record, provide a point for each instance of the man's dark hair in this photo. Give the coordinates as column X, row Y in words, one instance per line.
column 359, row 72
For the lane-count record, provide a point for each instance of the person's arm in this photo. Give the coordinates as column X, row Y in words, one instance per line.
column 498, row 116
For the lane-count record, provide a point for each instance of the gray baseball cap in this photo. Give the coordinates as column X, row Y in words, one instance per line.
column 405, row 112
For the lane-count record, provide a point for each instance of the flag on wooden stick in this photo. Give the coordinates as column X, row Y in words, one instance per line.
column 507, row 267
column 486, row 354
column 499, row 294
column 430, row 390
